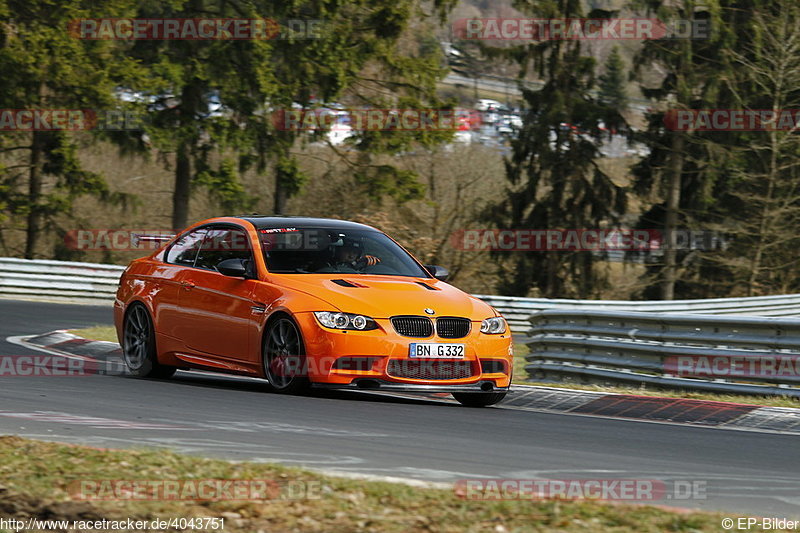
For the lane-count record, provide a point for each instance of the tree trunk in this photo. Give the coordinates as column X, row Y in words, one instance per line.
column 183, row 181
column 669, row 274
column 192, row 101
column 34, row 194
column 279, row 205
column 763, row 224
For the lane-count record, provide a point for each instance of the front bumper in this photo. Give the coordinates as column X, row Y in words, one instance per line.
column 324, row 347
column 383, row 385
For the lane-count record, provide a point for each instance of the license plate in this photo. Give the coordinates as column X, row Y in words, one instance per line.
column 432, row 350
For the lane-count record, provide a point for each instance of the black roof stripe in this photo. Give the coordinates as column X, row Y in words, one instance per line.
column 269, row 222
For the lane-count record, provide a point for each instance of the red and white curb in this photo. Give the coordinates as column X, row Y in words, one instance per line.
column 704, row 413
column 96, row 357
column 69, row 345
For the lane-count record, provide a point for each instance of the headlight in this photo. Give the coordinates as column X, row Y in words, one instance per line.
column 335, row 320
column 494, row 326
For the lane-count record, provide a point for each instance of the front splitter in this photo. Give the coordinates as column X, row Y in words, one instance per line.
column 369, row 384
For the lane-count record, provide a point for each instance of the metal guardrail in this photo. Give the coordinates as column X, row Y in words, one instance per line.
column 722, row 353
column 59, row 280
column 519, row 310
column 45, row 278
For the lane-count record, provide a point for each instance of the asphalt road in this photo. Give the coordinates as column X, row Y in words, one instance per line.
column 736, row 471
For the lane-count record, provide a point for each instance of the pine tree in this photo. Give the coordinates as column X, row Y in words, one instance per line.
column 760, row 202
column 44, row 67
column 612, row 82
column 553, row 179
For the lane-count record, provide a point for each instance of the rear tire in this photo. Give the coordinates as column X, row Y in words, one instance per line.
column 139, row 345
column 284, row 357
column 478, row 399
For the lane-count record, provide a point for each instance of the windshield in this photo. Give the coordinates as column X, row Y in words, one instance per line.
column 327, row 251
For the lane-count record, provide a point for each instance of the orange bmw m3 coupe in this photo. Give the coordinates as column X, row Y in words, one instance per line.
column 308, row 302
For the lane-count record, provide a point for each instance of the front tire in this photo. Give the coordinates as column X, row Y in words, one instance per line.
column 478, row 399
column 139, row 345
column 283, row 357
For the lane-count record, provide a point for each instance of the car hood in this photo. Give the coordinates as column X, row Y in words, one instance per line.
column 386, row 296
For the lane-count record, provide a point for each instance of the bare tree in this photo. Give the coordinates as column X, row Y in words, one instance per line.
column 766, row 197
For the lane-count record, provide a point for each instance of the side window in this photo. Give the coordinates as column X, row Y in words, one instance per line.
column 221, row 244
column 184, row 251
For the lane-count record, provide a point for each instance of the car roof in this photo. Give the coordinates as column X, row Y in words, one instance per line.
column 270, row 222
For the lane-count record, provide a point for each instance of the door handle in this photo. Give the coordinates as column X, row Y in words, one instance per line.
column 188, row 285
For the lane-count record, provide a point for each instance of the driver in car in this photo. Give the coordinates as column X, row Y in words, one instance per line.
column 349, row 256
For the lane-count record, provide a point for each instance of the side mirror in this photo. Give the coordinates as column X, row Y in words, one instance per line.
column 235, row 268
column 438, row 272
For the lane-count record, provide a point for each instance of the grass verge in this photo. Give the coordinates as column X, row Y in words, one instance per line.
column 37, row 476
column 97, row 333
